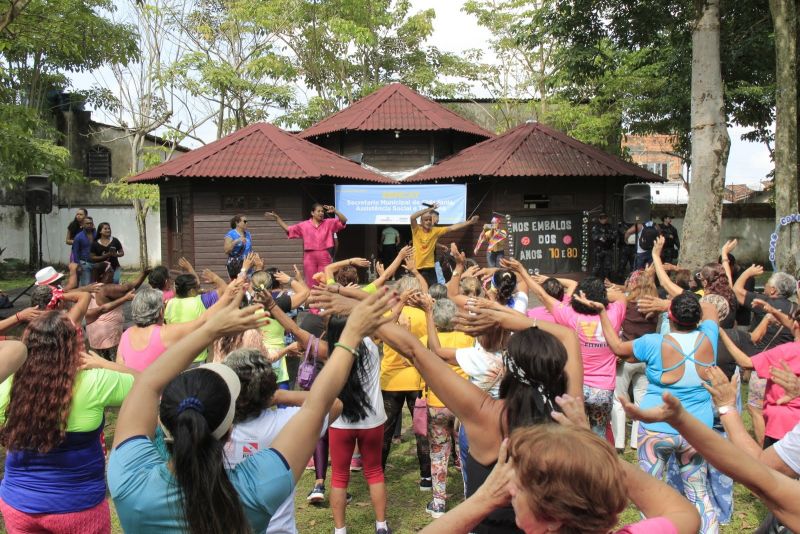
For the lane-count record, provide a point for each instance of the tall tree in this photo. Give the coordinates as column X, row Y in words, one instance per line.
column 710, row 141
column 784, row 20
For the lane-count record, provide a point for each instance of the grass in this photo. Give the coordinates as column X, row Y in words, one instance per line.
column 406, row 507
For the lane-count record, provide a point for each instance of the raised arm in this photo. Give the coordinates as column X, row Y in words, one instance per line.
column 22, row 316
column 12, row 355
column 277, row 218
column 724, row 257
column 669, row 286
column 298, row 439
column 339, row 214
column 417, row 214
column 80, row 300
column 93, row 314
column 458, row 226
column 522, row 273
column 389, row 271
column 411, row 266
column 738, row 288
column 723, row 393
column 623, row 349
column 778, row 492
column 139, row 413
column 332, row 268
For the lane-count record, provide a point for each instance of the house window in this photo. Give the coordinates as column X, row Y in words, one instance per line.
column 660, row 169
column 535, row 202
column 98, row 163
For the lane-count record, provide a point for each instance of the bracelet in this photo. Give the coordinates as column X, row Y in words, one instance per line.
column 348, row 349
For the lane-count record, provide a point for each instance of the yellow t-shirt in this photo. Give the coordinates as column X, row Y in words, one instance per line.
column 397, row 373
column 449, row 340
column 425, row 245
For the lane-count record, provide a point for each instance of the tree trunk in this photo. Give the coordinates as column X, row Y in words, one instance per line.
column 784, row 20
column 710, row 142
column 141, row 227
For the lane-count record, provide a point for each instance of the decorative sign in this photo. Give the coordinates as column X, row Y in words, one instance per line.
column 773, row 239
column 549, row 243
column 394, row 204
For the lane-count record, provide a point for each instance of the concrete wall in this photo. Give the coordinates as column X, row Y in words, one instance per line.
column 751, row 224
column 14, row 221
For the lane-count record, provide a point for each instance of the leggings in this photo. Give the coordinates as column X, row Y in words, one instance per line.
column 393, row 406
column 342, row 444
column 321, row 457
column 597, row 403
column 96, row 520
column 440, row 434
column 314, row 261
column 656, row 448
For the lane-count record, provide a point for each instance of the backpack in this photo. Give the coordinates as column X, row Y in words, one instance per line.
column 648, row 236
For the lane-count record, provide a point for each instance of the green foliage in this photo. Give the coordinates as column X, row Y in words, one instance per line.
column 49, row 39
column 144, row 196
column 658, row 34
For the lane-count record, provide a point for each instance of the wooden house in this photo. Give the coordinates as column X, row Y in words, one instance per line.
column 393, row 135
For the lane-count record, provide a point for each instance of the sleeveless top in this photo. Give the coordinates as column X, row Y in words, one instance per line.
column 141, row 359
column 501, row 521
column 105, row 331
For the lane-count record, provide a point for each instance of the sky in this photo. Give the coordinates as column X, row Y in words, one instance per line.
column 455, row 31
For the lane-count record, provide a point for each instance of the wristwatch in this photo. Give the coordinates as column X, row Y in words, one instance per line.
column 726, row 409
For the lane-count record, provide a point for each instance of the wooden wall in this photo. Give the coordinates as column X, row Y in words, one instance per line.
column 181, row 242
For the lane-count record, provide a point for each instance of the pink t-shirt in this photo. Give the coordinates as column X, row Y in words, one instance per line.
column 599, row 362
column 540, row 313
column 779, row 419
column 654, row 525
column 316, row 237
column 105, row 331
column 166, row 295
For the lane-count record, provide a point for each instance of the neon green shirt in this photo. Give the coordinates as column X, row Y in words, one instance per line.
column 184, row 310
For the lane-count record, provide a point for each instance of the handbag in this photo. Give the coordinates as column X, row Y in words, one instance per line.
column 307, row 370
column 419, row 421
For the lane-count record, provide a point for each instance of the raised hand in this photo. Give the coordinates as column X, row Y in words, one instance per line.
column 471, row 271
column 667, row 412
column 729, row 245
column 410, row 264
column 785, row 378
column 297, row 275
column 358, row 262
column 459, row 256
column 185, row 266
column 91, row 360
column 723, row 391
column 379, row 269
column 282, row 277
column 29, row 314
column 572, row 412
column 648, row 304
column 754, row 270
column 658, row 245
column 371, row 313
column 328, row 208
column 331, row 303
column 248, row 262
column 495, row 488
column 512, row 265
column 474, row 323
column 581, row 297
column 233, row 319
column 271, row 215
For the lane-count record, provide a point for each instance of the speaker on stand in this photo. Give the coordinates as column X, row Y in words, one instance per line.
column 39, row 200
column 636, row 203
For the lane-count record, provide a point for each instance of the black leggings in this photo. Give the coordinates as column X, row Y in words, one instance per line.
column 393, row 405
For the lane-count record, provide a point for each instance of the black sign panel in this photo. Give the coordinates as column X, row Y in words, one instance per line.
column 550, row 243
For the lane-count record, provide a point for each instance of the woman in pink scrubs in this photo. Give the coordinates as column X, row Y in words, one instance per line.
column 317, row 235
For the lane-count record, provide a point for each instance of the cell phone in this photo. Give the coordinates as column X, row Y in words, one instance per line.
column 112, row 250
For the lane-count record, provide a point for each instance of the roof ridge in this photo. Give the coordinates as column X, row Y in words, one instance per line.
column 366, row 113
column 286, row 146
column 503, row 155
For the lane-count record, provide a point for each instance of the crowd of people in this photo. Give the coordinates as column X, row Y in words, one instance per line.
column 523, row 381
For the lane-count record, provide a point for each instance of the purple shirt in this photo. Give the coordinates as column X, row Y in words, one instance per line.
column 316, row 237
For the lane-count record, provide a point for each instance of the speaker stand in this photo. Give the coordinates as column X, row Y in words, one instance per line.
column 39, row 263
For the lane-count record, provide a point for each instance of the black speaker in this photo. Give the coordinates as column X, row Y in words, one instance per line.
column 636, row 203
column 38, row 194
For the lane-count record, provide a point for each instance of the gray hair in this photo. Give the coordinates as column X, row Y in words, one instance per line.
column 443, row 312
column 784, row 284
column 438, row 291
column 146, row 306
column 408, row 283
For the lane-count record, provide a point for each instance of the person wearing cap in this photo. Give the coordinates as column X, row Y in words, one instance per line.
column 496, row 237
column 81, row 250
column 52, row 417
column 672, row 242
column 603, row 236
column 191, row 490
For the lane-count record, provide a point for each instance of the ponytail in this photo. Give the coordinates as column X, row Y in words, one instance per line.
column 192, row 406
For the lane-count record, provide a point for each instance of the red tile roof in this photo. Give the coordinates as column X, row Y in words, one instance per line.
column 261, row 150
column 533, row 149
column 395, row 107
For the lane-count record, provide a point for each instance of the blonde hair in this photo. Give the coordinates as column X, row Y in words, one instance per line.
column 569, row 475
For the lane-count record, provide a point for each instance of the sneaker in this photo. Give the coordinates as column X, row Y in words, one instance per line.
column 425, row 484
column 310, row 464
column 434, row 509
column 317, row 495
column 349, row 497
column 356, row 464
column 386, row 530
